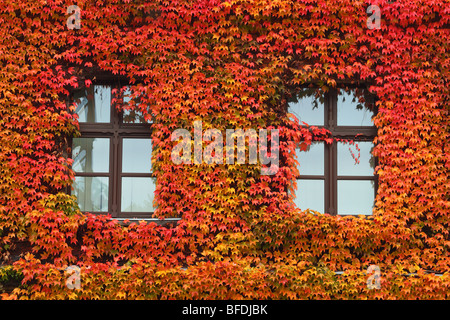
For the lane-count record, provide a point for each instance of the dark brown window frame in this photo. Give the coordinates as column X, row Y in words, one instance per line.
column 354, row 133
column 116, row 130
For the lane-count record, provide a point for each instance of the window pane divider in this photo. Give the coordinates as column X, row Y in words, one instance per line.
column 92, row 175
column 137, row 175
column 355, row 177
column 309, row 177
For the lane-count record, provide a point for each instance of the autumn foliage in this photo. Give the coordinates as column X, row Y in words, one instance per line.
column 231, row 64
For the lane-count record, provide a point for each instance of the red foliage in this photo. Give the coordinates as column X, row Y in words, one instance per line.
column 229, row 63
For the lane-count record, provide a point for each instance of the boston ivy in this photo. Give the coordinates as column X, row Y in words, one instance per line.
column 230, row 64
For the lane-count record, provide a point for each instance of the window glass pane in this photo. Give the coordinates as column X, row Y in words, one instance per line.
column 310, row 194
column 132, row 116
column 351, row 113
column 309, row 110
column 94, row 104
column 92, row 193
column 312, row 160
column 346, row 163
column 137, row 155
column 356, row 196
column 90, row 154
column 137, row 194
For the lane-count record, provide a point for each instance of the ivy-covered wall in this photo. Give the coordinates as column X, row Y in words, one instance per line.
column 230, row 64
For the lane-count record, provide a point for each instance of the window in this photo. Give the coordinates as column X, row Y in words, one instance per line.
column 331, row 180
column 112, row 157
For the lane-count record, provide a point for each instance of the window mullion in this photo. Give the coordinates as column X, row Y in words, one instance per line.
column 333, row 177
column 328, row 189
column 115, row 162
column 331, row 155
